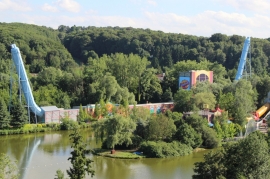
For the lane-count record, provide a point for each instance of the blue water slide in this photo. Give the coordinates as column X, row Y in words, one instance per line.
column 243, row 59
column 17, row 59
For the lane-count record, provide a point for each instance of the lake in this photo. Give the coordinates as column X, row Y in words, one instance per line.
column 39, row 156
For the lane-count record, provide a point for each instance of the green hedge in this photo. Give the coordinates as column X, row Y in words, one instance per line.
column 162, row 149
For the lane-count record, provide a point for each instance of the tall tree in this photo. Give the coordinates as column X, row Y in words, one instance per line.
column 4, row 115
column 182, row 100
column 80, row 163
column 19, row 115
column 245, row 98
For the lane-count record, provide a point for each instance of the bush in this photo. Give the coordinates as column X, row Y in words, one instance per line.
column 28, row 128
column 54, row 126
column 68, row 124
column 163, row 149
column 84, row 125
column 210, row 139
column 187, row 135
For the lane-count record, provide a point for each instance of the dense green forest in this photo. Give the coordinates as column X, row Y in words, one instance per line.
column 81, row 65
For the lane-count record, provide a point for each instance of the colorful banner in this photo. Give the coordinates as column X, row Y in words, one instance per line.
column 184, row 82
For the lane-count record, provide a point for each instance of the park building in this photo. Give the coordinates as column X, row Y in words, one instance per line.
column 189, row 79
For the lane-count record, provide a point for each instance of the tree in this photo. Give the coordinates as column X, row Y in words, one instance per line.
column 4, row 115
column 212, row 167
column 200, row 99
column 210, row 139
column 141, row 117
column 149, row 84
column 226, row 102
column 187, row 135
column 80, row 163
column 59, row 175
column 160, row 127
column 167, row 95
column 116, row 130
column 182, row 100
column 254, row 148
column 248, row 158
column 108, row 85
column 19, row 115
column 82, row 116
column 245, row 98
column 209, row 136
column 8, row 168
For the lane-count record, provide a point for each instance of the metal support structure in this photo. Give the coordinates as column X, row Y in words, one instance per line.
column 17, row 65
column 247, row 69
column 242, row 67
column 10, row 86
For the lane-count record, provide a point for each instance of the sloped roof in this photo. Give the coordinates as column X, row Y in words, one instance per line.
column 49, row 108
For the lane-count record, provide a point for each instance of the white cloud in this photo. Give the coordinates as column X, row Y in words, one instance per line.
column 49, row 8
column 203, row 24
column 14, row 5
column 251, row 5
column 210, row 22
column 91, row 11
column 152, row 2
column 144, row 2
column 69, row 5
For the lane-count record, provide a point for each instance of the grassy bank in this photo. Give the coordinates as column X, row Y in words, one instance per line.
column 118, row 154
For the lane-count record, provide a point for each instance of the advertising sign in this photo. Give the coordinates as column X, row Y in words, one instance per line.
column 184, row 82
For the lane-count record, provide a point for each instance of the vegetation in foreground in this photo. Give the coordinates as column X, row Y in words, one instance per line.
column 8, row 168
column 80, row 163
column 248, row 158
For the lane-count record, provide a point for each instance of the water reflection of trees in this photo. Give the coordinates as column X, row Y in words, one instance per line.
column 111, row 168
column 59, row 143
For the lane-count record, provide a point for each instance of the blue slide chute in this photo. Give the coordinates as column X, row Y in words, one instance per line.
column 243, row 59
column 17, row 59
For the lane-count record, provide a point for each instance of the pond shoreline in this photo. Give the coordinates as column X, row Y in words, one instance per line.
column 126, row 154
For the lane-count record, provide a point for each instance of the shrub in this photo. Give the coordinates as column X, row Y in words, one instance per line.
column 28, row 128
column 162, row 149
column 68, row 124
column 210, row 139
column 53, row 126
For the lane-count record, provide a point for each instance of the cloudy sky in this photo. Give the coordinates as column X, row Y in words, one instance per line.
column 194, row 17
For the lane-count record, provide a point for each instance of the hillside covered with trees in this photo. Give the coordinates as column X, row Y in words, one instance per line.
column 82, row 65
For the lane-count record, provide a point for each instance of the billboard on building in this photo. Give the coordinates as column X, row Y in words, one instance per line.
column 184, row 82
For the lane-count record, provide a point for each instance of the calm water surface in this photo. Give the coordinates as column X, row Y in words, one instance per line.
column 40, row 155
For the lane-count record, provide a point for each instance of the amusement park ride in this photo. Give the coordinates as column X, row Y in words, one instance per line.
column 243, row 66
column 46, row 114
